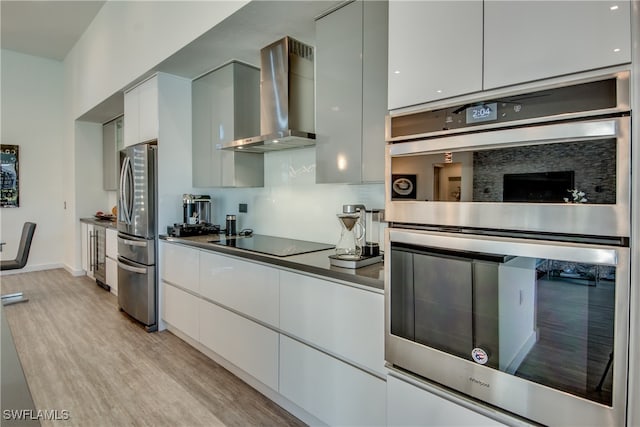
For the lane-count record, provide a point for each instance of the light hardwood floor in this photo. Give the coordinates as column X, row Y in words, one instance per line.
column 80, row 354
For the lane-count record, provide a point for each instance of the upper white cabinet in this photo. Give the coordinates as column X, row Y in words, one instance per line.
column 226, row 107
column 435, row 50
column 351, row 57
column 441, row 49
column 530, row 40
column 141, row 112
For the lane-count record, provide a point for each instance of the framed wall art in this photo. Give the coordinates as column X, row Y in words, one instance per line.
column 9, row 189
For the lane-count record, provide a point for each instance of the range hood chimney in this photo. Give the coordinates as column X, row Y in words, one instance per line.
column 286, row 99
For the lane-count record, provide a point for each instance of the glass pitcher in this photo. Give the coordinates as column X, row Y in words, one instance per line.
column 348, row 246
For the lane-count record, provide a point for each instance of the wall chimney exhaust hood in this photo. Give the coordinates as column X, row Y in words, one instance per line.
column 286, row 99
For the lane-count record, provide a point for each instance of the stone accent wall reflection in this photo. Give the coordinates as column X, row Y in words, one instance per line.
column 593, row 162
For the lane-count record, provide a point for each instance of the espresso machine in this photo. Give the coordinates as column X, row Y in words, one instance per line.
column 359, row 243
column 196, row 215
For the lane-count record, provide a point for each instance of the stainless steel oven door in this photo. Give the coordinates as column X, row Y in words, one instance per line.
column 537, row 328
column 516, row 179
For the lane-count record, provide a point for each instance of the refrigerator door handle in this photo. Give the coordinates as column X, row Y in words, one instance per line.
column 125, row 190
column 131, row 268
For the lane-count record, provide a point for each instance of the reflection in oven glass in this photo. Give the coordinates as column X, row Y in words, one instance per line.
column 547, row 321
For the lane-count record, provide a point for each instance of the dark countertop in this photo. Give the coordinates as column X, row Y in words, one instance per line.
column 100, row 222
column 371, row 276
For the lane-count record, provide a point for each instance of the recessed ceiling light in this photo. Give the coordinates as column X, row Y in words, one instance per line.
column 396, row 72
column 615, row 7
column 616, row 50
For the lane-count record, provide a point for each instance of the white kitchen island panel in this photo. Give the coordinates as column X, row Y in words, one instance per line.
column 341, row 319
column 335, row 392
column 246, row 344
column 249, row 288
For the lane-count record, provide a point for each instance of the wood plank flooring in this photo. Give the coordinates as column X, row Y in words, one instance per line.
column 80, row 354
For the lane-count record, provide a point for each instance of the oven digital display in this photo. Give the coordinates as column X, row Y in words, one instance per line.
column 482, row 113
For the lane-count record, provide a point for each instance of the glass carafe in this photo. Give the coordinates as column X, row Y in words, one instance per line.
column 349, row 246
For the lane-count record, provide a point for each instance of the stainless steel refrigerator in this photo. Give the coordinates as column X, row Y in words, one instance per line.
column 137, row 234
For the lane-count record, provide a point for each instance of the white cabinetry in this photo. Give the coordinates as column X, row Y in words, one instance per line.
column 180, row 266
column 141, row 113
column 84, row 239
column 316, row 342
column 435, row 50
column 341, row 319
column 409, row 405
column 442, row 49
column 248, row 345
column 226, row 107
column 112, row 259
column 180, row 309
column 328, row 388
column 351, row 57
column 247, row 287
column 531, row 40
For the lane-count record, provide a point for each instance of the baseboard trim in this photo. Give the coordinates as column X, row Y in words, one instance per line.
column 30, row 268
column 271, row 394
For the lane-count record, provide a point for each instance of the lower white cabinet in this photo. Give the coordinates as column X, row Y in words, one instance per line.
column 333, row 391
column 247, row 287
column 248, row 345
column 112, row 274
column 339, row 318
column 408, row 405
column 179, row 265
column 180, row 309
column 111, row 261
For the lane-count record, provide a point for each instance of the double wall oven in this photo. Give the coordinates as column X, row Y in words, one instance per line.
column 508, row 269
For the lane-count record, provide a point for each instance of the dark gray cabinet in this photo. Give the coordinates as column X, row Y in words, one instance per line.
column 112, row 142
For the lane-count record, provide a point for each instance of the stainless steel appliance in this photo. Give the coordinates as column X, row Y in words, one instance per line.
column 137, row 283
column 97, row 255
column 509, row 162
column 508, row 273
column 287, row 108
column 196, row 209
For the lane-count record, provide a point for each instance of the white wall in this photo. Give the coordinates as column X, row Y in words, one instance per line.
column 125, row 41
column 291, row 204
column 32, row 117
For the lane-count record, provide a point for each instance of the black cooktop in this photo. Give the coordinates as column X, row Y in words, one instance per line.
column 270, row 245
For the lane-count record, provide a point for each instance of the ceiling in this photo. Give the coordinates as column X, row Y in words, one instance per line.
column 48, row 29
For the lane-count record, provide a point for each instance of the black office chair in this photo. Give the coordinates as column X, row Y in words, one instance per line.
column 21, row 260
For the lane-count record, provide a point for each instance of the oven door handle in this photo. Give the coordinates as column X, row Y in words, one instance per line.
column 544, row 133
column 587, row 253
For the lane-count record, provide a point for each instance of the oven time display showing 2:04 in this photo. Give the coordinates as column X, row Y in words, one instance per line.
column 482, row 113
